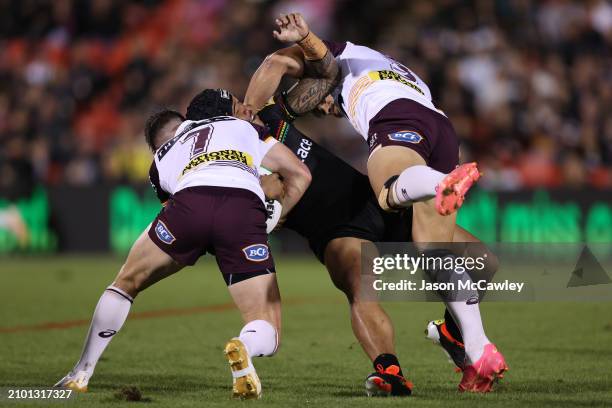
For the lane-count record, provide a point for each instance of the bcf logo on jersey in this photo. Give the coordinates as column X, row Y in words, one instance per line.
column 163, row 233
column 409, row 136
column 256, row 252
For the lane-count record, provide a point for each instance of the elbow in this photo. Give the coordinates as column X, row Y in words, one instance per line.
column 308, row 178
column 305, row 175
column 301, row 176
column 276, row 62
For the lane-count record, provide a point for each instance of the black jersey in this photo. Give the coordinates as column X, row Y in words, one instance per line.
column 339, row 201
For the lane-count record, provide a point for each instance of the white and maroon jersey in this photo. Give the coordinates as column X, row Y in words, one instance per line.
column 370, row 81
column 223, row 151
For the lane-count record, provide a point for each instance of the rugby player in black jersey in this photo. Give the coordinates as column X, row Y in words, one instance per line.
column 393, row 149
column 336, row 214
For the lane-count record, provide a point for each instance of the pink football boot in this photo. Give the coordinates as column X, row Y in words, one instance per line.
column 480, row 376
column 451, row 191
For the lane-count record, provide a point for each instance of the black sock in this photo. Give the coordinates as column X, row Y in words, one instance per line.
column 452, row 327
column 386, row 360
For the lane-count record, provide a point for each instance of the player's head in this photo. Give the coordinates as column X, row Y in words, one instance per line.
column 217, row 102
column 161, row 126
column 328, row 106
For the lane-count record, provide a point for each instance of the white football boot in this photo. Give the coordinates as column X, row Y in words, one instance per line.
column 75, row 381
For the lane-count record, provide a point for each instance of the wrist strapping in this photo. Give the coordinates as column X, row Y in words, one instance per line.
column 313, row 47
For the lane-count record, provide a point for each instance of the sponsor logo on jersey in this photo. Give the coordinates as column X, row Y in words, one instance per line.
column 163, row 233
column 394, row 76
column 226, row 155
column 256, row 252
column 304, row 149
column 409, row 136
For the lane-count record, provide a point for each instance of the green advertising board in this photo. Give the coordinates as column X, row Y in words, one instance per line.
column 35, row 212
column 123, row 212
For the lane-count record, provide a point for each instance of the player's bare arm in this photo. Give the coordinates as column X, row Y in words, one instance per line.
column 309, row 58
column 272, row 186
column 265, row 81
column 295, row 174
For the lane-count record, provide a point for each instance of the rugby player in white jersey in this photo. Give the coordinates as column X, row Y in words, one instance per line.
column 413, row 156
column 336, row 215
column 206, row 175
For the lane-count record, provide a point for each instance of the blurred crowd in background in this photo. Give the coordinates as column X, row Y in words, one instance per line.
column 527, row 84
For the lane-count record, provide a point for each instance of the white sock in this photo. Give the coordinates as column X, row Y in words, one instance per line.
column 416, row 183
column 260, row 338
column 468, row 319
column 110, row 314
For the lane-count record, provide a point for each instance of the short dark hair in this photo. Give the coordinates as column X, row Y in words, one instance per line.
column 210, row 103
column 156, row 122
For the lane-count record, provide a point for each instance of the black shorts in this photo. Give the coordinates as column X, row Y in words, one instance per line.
column 404, row 122
column 229, row 223
column 370, row 224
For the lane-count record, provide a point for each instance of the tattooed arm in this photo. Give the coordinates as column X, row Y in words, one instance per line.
column 309, row 59
column 320, row 78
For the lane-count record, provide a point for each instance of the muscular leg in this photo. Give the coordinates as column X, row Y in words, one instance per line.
column 476, row 248
column 371, row 325
column 145, row 265
column 429, row 226
column 258, row 300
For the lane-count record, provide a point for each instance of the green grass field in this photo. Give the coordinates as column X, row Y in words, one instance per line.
column 171, row 347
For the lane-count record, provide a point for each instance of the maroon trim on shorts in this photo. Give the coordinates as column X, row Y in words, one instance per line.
column 404, row 120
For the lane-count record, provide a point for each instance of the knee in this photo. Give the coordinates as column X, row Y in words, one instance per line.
column 346, row 283
column 343, row 262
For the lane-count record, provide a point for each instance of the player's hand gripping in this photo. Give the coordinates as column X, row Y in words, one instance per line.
column 291, row 28
column 272, row 186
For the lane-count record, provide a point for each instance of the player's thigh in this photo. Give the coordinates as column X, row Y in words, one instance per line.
column 241, row 249
column 343, row 260
column 388, row 161
column 146, row 264
column 258, row 298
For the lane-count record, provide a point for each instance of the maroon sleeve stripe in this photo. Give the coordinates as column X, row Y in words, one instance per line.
column 334, row 47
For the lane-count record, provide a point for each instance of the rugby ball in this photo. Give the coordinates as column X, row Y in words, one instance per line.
column 273, row 207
